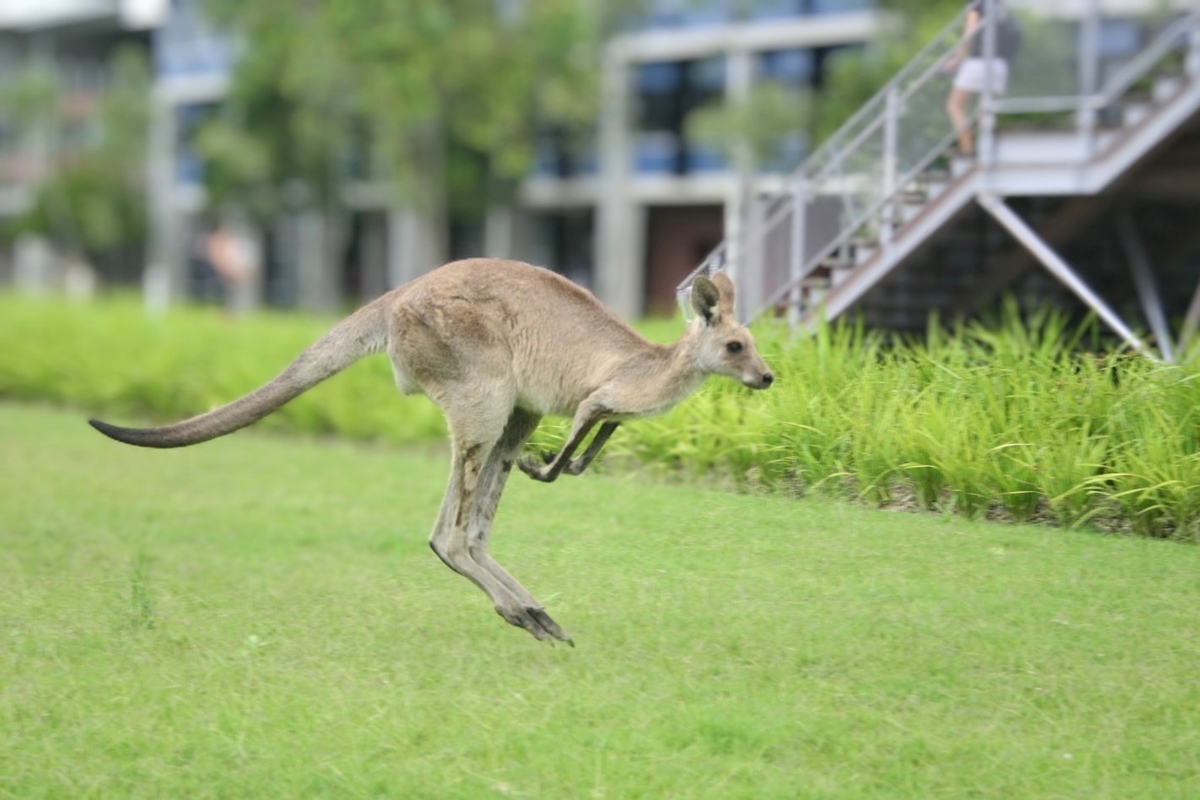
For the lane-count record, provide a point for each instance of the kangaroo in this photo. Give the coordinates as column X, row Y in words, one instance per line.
column 497, row 345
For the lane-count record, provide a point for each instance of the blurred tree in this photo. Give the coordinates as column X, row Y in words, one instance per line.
column 770, row 115
column 855, row 76
column 92, row 200
column 773, row 112
column 439, row 98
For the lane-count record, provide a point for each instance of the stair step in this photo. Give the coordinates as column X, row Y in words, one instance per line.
column 960, row 165
column 839, row 262
column 1133, row 113
column 909, row 213
column 839, row 276
column 1165, row 87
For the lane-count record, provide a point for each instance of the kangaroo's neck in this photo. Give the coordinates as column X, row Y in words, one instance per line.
column 667, row 374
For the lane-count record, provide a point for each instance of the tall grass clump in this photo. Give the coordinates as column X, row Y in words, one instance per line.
column 1025, row 417
column 110, row 358
column 1021, row 418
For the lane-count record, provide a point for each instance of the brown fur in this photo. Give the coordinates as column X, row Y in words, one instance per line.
column 497, row 345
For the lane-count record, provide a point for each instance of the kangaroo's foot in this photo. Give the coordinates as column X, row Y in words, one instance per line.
column 535, row 620
column 575, row 466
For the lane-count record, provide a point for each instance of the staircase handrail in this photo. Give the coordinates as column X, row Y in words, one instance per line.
column 1149, row 56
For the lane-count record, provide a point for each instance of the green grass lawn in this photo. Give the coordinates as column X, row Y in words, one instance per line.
column 262, row 617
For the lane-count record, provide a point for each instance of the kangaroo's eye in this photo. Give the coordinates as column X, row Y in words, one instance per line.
column 734, row 347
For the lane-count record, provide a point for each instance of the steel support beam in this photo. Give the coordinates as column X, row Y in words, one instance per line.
column 1143, row 279
column 1059, row 268
column 799, row 243
column 1190, row 321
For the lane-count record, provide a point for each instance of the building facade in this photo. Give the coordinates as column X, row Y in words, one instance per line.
column 627, row 213
column 69, row 45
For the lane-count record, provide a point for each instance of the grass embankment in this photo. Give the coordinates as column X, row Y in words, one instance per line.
column 261, row 617
column 1010, row 420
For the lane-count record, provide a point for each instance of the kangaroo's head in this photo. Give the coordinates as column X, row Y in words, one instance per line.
column 724, row 346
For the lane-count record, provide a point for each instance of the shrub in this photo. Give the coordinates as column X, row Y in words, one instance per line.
column 1011, row 420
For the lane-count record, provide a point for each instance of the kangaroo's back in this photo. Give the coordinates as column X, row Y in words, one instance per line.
column 556, row 339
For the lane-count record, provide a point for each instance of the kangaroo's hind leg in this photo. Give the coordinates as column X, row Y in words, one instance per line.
column 477, row 425
column 496, row 469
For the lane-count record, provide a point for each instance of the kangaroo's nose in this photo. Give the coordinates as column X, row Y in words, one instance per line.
column 767, row 379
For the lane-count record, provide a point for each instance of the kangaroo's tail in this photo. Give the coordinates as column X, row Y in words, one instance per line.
column 359, row 335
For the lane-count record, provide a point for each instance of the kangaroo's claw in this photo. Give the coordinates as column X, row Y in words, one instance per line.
column 537, row 622
column 534, row 470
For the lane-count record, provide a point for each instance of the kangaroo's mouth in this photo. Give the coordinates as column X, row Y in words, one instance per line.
column 760, row 382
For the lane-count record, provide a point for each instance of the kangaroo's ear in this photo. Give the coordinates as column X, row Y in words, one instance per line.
column 724, row 285
column 706, row 299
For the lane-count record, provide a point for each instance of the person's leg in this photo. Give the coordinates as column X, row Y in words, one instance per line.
column 956, row 107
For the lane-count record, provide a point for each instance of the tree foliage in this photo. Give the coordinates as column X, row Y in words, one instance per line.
column 763, row 121
column 328, row 92
column 856, row 75
column 94, row 200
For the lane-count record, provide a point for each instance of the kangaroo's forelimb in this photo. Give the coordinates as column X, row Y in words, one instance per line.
column 578, row 465
column 585, row 419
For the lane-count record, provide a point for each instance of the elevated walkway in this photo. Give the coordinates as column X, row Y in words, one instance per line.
column 1088, row 166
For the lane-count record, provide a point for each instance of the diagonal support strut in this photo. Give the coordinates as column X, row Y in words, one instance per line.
column 1059, row 268
column 1143, row 278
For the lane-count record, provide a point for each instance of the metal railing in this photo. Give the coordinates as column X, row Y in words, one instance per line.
column 1070, row 66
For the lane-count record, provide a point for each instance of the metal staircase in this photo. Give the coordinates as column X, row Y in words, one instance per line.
column 1101, row 116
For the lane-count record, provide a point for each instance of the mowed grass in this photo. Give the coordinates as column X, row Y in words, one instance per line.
column 261, row 617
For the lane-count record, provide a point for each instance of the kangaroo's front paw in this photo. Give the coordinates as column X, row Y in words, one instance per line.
column 535, row 470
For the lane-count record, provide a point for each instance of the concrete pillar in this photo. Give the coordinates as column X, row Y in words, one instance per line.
column 316, row 272
column 620, row 223
column 506, row 233
column 416, row 244
column 35, row 265
column 164, row 278
column 373, row 256
column 739, row 78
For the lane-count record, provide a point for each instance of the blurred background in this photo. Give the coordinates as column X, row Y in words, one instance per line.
column 312, row 155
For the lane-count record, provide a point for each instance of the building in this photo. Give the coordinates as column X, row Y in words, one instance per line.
column 636, row 218
column 628, row 216
column 1082, row 195
column 73, row 41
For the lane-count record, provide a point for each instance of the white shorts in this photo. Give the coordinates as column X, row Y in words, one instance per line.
column 973, row 72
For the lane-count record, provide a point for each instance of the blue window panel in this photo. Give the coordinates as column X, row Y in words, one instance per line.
column 791, row 66
column 707, row 75
column 840, row 6
column 189, row 169
column 1119, row 37
column 655, row 153
column 791, row 152
column 687, row 13
column 659, row 78
column 775, row 9
column 703, row 158
column 717, row 14
column 545, row 156
column 586, row 162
